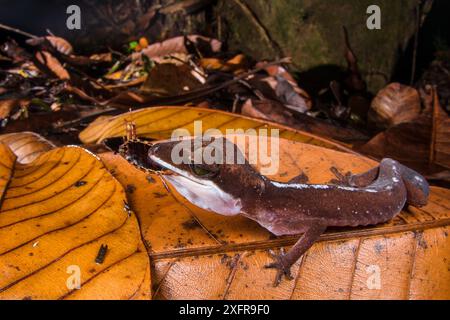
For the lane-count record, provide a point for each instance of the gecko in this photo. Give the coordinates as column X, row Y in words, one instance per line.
column 294, row 207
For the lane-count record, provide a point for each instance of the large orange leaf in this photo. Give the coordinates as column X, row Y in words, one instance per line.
column 55, row 213
column 159, row 123
column 201, row 255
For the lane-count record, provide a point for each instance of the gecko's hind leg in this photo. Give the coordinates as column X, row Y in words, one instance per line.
column 284, row 261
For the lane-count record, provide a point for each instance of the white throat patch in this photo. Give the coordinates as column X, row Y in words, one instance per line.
column 206, row 196
column 202, row 193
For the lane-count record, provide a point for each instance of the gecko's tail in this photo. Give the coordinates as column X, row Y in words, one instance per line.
column 417, row 187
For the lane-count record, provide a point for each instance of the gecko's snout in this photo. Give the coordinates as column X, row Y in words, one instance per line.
column 161, row 149
column 159, row 155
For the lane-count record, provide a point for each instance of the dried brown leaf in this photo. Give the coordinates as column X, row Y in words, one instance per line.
column 60, row 44
column 169, row 80
column 177, row 45
column 8, row 105
column 53, row 64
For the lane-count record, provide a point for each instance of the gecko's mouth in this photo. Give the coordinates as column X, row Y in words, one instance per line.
column 169, row 170
column 202, row 193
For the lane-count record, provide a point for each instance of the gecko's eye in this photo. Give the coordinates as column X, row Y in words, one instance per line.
column 202, row 171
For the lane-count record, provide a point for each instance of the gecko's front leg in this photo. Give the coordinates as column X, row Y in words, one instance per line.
column 355, row 180
column 283, row 262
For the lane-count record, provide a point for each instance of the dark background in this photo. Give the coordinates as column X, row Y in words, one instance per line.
column 38, row 16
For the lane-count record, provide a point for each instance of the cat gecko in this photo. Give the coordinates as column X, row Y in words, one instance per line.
column 294, row 207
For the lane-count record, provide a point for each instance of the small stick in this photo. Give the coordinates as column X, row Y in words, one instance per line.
column 83, row 117
column 23, row 33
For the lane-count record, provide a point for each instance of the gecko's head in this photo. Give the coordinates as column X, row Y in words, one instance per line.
column 213, row 175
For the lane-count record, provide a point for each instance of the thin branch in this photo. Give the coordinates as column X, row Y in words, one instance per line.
column 23, row 33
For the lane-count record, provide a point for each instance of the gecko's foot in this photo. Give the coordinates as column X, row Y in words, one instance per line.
column 282, row 267
column 342, row 179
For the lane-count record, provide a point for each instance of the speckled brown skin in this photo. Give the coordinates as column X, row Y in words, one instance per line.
column 294, row 208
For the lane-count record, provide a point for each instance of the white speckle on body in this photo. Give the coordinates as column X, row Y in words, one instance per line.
column 319, row 187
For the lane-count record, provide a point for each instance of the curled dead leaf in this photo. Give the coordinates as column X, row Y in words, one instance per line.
column 237, row 64
column 395, row 104
column 421, row 143
column 277, row 81
column 62, row 45
column 55, row 213
column 407, row 142
column 177, row 45
column 169, row 80
column 289, row 95
column 7, row 106
column 53, row 64
column 27, row 146
column 104, row 57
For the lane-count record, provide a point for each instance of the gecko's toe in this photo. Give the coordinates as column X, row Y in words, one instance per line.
column 341, row 179
column 281, row 267
column 279, row 274
column 278, row 277
column 273, row 254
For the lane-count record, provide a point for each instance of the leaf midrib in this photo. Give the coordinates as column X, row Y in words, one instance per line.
column 290, row 240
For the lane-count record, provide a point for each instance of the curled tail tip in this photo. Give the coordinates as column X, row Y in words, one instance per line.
column 417, row 187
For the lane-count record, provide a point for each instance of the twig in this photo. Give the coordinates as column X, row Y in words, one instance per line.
column 255, row 91
column 26, row 34
column 50, row 32
column 191, row 66
column 88, row 115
